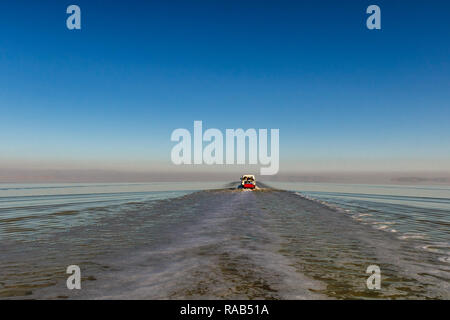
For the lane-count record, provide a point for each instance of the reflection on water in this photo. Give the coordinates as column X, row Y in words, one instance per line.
column 160, row 241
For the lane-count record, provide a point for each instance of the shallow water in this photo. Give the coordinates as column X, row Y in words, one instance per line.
column 220, row 244
column 413, row 212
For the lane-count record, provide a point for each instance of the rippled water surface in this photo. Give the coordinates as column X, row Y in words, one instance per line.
column 171, row 241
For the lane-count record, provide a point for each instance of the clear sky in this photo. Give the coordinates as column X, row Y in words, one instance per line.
column 108, row 96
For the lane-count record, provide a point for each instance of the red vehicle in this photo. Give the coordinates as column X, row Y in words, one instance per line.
column 248, row 181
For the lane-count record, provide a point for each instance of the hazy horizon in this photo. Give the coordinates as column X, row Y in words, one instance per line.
column 233, row 174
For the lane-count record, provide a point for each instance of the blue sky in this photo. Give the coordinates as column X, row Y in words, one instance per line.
column 114, row 91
